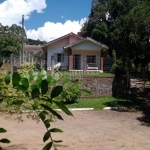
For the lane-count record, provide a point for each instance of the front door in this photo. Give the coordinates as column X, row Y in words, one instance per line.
column 76, row 62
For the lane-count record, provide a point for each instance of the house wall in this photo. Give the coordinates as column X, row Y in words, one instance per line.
column 87, row 45
column 57, row 47
column 85, row 53
column 73, row 39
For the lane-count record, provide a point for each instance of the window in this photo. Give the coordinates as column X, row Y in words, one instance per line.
column 91, row 59
column 59, row 57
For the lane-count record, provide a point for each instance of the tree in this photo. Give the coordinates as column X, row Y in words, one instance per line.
column 35, row 42
column 124, row 26
column 10, row 39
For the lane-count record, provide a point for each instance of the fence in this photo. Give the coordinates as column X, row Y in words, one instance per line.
column 13, row 62
column 78, row 62
column 79, row 66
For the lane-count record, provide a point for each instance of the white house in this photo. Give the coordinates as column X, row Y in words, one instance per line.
column 71, row 51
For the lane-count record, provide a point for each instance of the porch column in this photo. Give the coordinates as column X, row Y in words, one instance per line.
column 102, row 60
column 70, row 60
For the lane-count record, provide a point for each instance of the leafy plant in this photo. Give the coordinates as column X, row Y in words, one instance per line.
column 26, row 68
column 71, row 95
column 38, row 90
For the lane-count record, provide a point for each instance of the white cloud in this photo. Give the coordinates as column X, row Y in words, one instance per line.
column 12, row 10
column 51, row 31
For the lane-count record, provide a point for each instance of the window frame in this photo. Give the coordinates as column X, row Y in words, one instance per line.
column 91, row 59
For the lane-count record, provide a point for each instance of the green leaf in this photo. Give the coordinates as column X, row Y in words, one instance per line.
column 44, row 77
column 85, row 91
column 22, row 88
column 4, row 141
column 7, row 78
column 34, row 86
column 52, row 111
column 55, row 130
column 15, row 79
column 35, row 93
column 65, row 81
column 35, row 78
column 1, row 100
column 56, row 91
column 35, row 73
column 2, row 130
column 35, row 106
column 27, row 76
column 25, row 82
column 42, row 115
column 47, row 123
column 43, row 72
column 46, row 136
column 38, row 81
column 63, row 107
column 44, row 87
column 48, row 146
column 75, row 84
column 49, row 79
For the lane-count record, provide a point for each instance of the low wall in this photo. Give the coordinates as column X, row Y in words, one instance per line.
column 139, row 83
column 98, row 86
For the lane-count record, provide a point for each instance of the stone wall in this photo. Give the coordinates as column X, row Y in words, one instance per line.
column 110, row 86
column 139, row 83
column 98, row 86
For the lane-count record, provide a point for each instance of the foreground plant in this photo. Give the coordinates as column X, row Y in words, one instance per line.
column 40, row 92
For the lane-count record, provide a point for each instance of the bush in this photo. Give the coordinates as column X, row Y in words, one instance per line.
column 71, row 95
column 26, row 68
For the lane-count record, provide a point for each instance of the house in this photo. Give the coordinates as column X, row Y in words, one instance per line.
column 74, row 52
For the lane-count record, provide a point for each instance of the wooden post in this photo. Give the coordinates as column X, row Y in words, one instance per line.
column 52, row 65
column 22, row 35
column 101, row 60
column 70, row 61
column 85, row 63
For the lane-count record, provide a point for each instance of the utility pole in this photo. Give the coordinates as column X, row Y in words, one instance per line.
column 22, row 37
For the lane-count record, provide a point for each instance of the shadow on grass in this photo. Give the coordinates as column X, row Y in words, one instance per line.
column 121, row 103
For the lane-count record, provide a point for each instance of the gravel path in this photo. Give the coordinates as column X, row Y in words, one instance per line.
column 87, row 130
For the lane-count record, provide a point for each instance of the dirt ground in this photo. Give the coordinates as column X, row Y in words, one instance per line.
column 87, row 130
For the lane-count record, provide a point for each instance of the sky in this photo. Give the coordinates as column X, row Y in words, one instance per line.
column 46, row 19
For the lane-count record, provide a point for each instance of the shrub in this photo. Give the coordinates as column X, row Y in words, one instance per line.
column 26, row 68
column 71, row 95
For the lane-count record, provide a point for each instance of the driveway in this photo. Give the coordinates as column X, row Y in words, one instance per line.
column 87, row 130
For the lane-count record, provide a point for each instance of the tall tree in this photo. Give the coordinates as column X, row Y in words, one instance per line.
column 124, row 26
column 10, row 39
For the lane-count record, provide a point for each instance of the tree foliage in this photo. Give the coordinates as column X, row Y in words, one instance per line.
column 124, row 25
column 35, row 42
column 10, row 39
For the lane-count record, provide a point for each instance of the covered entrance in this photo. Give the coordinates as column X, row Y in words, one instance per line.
column 76, row 62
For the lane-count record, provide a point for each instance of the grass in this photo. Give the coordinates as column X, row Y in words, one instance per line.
column 99, row 103
column 87, row 74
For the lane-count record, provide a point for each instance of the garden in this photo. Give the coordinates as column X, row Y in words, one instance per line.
column 39, row 93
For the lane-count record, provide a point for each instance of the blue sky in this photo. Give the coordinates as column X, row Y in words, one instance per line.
column 60, row 11
column 46, row 19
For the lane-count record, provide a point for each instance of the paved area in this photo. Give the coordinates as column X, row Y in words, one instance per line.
column 87, row 130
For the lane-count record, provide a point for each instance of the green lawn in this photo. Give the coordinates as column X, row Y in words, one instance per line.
column 82, row 74
column 99, row 103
